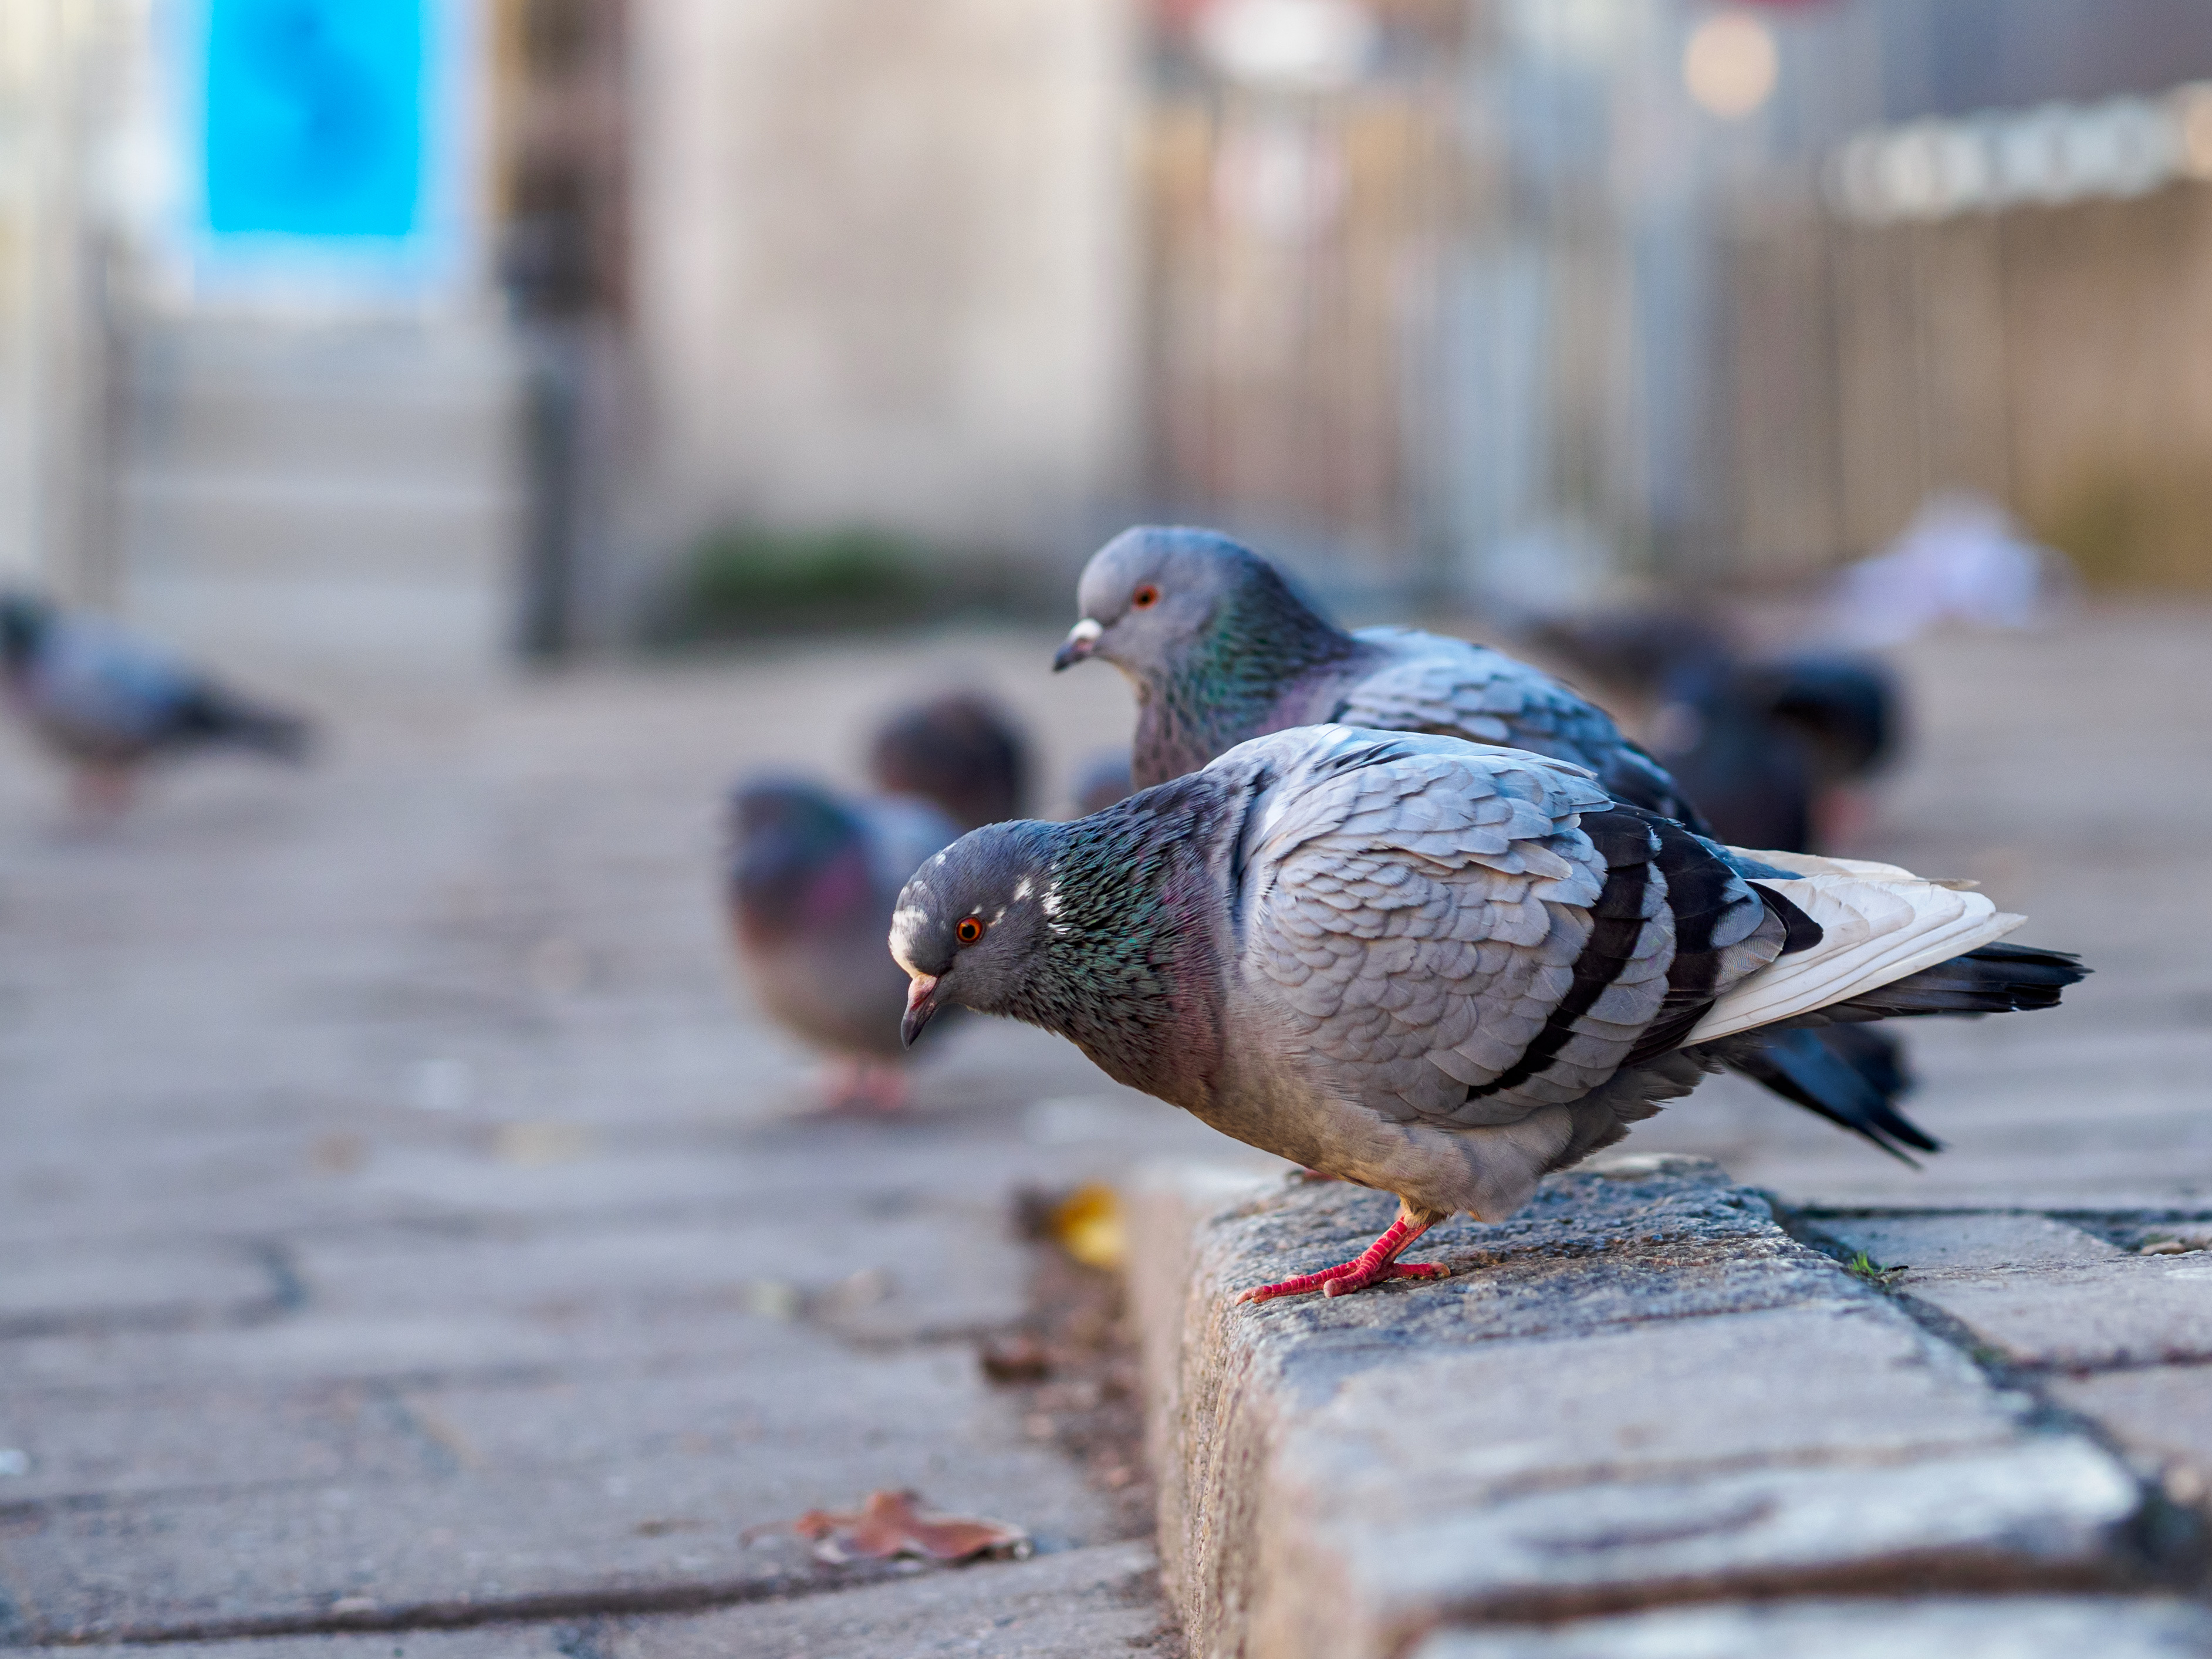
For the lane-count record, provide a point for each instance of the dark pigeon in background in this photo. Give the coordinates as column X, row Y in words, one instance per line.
column 811, row 880
column 1772, row 751
column 1101, row 782
column 1431, row 968
column 960, row 750
column 106, row 700
column 1219, row 649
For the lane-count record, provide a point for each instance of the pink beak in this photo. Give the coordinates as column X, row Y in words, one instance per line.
column 920, row 1004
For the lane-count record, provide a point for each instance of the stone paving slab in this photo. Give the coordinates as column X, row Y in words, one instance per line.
column 2039, row 1627
column 642, row 1483
column 1074, row 1604
column 1639, row 1388
column 1083, row 1604
column 2066, row 1301
column 2161, row 1415
column 65, row 1288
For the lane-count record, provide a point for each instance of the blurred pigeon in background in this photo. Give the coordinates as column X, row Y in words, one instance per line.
column 812, row 879
column 106, row 700
column 960, row 750
column 1961, row 561
column 1219, row 649
column 1772, row 751
column 1431, row 968
column 1102, row 781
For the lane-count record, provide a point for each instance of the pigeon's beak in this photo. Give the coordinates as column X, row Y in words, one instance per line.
column 921, row 1006
column 1081, row 640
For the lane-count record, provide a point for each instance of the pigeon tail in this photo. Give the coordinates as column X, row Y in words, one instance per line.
column 1855, row 1084
column 1995, row 979
column 1878, row 924
column 219, row 717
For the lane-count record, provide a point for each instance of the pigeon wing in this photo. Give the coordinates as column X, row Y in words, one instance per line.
column 1442, row 927
column 1430, row 683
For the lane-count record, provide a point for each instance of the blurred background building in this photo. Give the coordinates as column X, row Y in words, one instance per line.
column 425, row 332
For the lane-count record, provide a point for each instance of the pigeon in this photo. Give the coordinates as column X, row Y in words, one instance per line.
column 1426, row 966
column 104, row 701
column 1220, row 648
column 1101, row 781
column 1771, row 751
column 960, row 750
column 812, row 879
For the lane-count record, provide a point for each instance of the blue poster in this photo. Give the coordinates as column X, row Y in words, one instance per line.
column 314, row 113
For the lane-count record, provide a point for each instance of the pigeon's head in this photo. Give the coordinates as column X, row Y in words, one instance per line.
column 961, row 752
column 970, row 922
column 798, row 857
column 1153, row 595
column 23, row 622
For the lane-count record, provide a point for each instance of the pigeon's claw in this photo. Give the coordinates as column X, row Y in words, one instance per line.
column 1374, row 1265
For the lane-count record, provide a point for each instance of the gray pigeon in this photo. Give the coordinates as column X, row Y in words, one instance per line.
column 1426, row 966
column 812, row 879
column 104, row 701
column 1220, row 648
column 961, row 752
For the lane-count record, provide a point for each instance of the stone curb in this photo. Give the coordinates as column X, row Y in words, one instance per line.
column 1640, row 1390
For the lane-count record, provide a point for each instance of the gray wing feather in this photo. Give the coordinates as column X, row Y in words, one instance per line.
column 1427, row 682
column 1417, row 906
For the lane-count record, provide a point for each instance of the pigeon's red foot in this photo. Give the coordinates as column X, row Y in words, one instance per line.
column 1373, row 1265
column 863, row 1087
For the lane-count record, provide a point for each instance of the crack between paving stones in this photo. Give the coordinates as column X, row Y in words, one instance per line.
column 2168, row 1539
column 539, row 1608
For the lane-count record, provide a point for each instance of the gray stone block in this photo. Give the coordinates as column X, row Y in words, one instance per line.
column 1998, row 1241
column 2012, row 1628
column 95, row 1288
column 550, row 1494
column 1639, row 1388
column 1074, row 1604
column 2040, row 1292
column 2135, row 1311
column 2162, row 1415
column 1081, row 1604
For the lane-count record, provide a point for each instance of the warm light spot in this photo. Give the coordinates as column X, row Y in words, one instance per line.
column 2194, row 117
column 1731, row 64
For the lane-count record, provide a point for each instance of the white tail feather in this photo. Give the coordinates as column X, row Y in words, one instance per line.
column 1878, row 923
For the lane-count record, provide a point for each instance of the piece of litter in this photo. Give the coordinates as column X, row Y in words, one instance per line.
column 771, row 1298
column 892, row 1523
column 537, row 1146
column 853, row 1293
column 1016, row 1358
column 1088, row 1225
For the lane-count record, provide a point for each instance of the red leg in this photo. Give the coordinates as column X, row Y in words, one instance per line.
column 100, row 794
column 1377, row 1263
column 884, row 1087
column 850, row 1083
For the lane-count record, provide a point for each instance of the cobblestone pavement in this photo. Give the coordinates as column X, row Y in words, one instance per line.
column 406, row 1224
column 406, row 1221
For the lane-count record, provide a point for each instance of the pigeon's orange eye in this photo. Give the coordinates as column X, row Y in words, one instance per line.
column 1145, row 597
column 969, row 930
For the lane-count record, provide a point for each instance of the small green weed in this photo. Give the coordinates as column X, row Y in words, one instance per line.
column 1862, row 1266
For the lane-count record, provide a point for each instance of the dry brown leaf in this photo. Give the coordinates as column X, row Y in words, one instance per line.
column 892, row 1523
